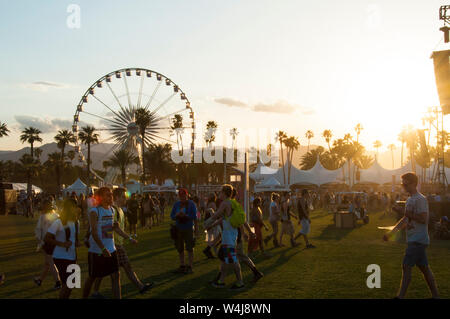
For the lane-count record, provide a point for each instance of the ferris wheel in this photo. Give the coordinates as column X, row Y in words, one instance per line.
column 110, row 105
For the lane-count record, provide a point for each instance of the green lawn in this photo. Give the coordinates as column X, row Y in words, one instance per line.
column 335, row 269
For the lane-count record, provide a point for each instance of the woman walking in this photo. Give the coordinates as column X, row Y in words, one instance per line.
column 256, row 221
column 274, row 218
column 63, row 235
column 46, row 219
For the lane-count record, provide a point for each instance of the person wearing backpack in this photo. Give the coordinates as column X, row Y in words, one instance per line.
column 63, row 236
column 102, row 254
column 230, row 225
column 46, row 219
column 184, row 213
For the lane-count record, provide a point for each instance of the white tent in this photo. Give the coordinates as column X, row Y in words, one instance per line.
column 23, row 187
column 262, row 172
column 78, row 187
column 320, row 175
column 152, row 188
column 271, row 185
column 168, row 186
column 134, row 187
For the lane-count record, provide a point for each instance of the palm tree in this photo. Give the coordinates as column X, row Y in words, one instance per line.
column 377, row 144
column 88, row 136
column 291, row 144
column 327, row 135
column 29, row 164
column 3, row 129
column 309, row 135
column 143, row 118
column 38, row 153
column 177, row 127
column 31, row 135
column 54, row 161
column 402, row 139
column 158, row 158
column 121, row 159
column 210, row 136
column 280, row 137
column 309, row 159
column 392, row 147
column 411, row 144
column 358, row 129
column 71, row 155
column 63, row 138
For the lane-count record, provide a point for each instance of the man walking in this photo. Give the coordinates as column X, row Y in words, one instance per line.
column 415, row 221
column 119, row 202
column 184, row 213
column 102, row 254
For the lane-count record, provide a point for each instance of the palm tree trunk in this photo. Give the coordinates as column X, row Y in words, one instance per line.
column 89, row 166
column 143, row 159
column 402, row 156
column 392, row 153
column 282, row 163
column 123, row 176
column 29, row 181
column 289, row 164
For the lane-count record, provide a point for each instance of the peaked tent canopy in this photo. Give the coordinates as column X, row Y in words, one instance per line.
column 78, row 187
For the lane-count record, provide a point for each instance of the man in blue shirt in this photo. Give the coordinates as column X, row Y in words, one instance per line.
column 184, row 212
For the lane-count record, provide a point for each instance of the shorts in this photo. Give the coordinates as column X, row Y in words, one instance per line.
column 185, row 240
column 415, row 254
column 61, row 265
column 305, row 227
column 100, row 266
column 122, row 256
column 132, row 218
column 287, row 227
column 227, row 254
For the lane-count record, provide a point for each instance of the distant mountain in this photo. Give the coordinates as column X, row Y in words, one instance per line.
column 99, row 153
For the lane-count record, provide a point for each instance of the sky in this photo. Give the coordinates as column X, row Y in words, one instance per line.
column 289, row 65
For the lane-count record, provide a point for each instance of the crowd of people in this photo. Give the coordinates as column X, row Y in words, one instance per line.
column 111, row 216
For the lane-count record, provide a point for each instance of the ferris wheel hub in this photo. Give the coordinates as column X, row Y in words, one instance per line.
column 132, row 129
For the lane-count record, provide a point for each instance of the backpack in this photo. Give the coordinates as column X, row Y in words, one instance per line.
column 237, row 218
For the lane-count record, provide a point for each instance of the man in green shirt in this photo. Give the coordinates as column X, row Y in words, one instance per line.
column 119, row 217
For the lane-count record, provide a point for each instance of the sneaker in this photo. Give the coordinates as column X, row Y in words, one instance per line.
column 38, row 282
column 180, row 270
column 57, row 285
column 188, row 270
column 208, row 253
column 237, row 287
column 257, row 277
column 294, row 244
column 146, row 287
column 310, row 246
column 217, row 284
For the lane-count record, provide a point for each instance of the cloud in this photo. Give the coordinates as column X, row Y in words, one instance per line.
column 44, row 125
column 230, row 102
column 280, row 106
column 44, row 86
column 277, row 107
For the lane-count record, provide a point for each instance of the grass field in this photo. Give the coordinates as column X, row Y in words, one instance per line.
column 335, row 269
